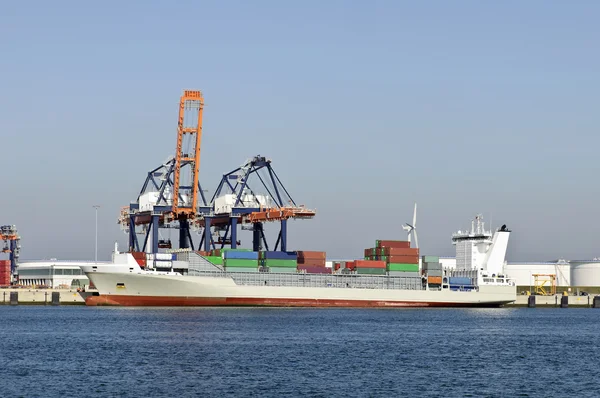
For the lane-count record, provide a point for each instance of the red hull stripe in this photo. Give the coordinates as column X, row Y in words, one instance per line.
column 114, row 300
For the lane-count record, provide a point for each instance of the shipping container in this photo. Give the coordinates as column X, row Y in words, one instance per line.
column 204, row 253
column 434, row 280
column 279, row 263
column 393, row 243
column 283, row 270
column 430, row 259
column 371, row 271
column 242, row 269
column 241, row 255
column 279, row 255
column 368, row 252
column 437, row 266
column 403, row 259
column 403, row 267
column 434, row 272
column 459, row 280
column 350, row 265
column 162, row 264
column 310, row 254
column 405, row 274
column 314, row 270
column 236, row 262
column 312, row 261
column 217, row 260
column 400, row 251
column 369, row 264
column 215, row 252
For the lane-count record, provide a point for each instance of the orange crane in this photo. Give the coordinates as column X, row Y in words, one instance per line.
column 191, row 105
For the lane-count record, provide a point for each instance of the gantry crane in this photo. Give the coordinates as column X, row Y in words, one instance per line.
column 172, row 197
column 171, row 192
column 12, row 245
column 245, row 197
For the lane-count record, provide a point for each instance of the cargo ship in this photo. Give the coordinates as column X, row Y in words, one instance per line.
column 246, row 278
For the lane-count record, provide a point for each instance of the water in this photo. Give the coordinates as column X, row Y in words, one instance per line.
column 206, row 352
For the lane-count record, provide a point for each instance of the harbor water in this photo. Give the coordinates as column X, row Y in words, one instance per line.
column 142, row 352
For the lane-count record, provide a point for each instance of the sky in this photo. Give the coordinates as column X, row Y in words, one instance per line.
column 364, row 108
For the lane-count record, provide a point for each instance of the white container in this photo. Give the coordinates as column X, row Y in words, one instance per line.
column 164, row 256
column 162, row 264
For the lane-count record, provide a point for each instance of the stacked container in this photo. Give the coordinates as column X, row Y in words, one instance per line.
column 312, row 262
column 370, row 267
column 279, row 261
column 397, row 254
column 433, row 269
column 240, row 260
column 4, row 272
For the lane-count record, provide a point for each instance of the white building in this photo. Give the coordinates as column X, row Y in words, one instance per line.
column 54, row 274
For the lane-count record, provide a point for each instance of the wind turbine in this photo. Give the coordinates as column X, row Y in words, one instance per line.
column 412, row 228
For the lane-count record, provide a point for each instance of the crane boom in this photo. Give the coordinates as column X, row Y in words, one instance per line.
column 190, row 123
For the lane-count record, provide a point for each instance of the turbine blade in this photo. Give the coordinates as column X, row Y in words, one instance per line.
column 416, row 238
column 415, row 215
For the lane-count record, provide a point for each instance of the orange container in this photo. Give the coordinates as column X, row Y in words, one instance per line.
column 393, row 243
column 435, row 280
column 369, row 264
column 400, row 251
column 403, row 259
column 311, row 255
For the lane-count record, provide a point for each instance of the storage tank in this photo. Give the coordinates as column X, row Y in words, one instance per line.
column 585, row 272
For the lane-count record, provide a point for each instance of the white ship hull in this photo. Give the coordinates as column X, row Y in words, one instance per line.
column 144, row 289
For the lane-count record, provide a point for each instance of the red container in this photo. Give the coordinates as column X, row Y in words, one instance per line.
column 403, row 259
column 369, row 264
column 351, row 265
column 203, row 253
column 399, row 251
column 315, row 262
column 4, row 279
column 394, row 243
column 312, row 255
column 368, row 252
column 337, row 266
column 215, row 252
column 314, row 270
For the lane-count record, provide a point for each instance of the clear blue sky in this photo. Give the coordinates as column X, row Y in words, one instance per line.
column 364, row 108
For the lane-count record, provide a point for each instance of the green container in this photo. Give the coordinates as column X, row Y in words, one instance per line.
column 377, row 243
column 430, row 259
column 384, row 258
column 275, row 262
column 403, row 267
column 282, row 270
column 217, row 260
column 235, row 262
column 371, row 271
column 241, row 269
column 381, row 251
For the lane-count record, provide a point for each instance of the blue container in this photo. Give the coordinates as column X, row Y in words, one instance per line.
column 174, row 257
column 459, row 280
column 241, row 255
column 280, row 255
